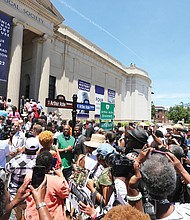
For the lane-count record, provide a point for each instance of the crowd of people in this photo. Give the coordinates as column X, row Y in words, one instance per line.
column 50, row 171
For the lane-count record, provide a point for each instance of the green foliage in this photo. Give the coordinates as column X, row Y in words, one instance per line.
column 178, row 113
column 153, row 110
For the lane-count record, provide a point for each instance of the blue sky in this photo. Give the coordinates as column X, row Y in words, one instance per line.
column 155, row 35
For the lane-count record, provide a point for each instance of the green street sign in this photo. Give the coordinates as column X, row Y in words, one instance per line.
column 106, row 111
column 106, row 125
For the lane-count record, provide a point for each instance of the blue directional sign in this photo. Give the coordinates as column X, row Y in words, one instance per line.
column 84, row 106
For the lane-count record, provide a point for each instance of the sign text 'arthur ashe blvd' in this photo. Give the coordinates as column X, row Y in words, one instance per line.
column 106, row 116
column 60, row 102
column 107, row 111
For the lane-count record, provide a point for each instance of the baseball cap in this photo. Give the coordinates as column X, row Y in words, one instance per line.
column 104, row 149
column 32, row 143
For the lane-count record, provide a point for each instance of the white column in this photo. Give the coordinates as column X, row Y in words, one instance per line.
column 13, row 86
column 36, row 67
column 45, row 70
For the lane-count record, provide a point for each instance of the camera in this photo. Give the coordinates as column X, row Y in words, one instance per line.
column 29, row 134
column 121, row 165
column 176, row 136
column 5, row 132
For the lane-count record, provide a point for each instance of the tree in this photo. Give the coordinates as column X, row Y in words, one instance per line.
column 153, row 110
column 178, row 113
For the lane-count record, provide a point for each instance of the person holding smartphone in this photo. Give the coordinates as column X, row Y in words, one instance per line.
column 57, row 189
column 18, row 167
column 23, row 192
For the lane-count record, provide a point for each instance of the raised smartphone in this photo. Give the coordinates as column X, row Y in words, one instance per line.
column 38, row 175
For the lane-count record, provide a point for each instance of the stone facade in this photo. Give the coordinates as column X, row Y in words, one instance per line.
column 43, row 48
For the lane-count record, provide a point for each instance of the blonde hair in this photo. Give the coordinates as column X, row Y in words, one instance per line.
column 46, row 139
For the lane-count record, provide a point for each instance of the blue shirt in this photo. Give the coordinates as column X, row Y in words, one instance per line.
column 4, row 151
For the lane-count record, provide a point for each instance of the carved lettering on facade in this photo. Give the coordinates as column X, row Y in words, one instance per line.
column 24, row 10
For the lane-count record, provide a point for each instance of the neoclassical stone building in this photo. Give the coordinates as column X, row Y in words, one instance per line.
column 47, row 58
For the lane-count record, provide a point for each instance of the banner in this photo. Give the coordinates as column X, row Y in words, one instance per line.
column 111, row 96
column 99, row 97
column 5, row 34
column 83, row 97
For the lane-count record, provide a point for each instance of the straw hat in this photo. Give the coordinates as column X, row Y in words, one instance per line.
column 178, row 127
column 95, row 140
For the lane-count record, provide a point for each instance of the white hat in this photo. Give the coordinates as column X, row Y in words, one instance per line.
column 32, row 144
column 95, row 140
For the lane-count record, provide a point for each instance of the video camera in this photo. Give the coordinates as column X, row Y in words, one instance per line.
column 29, row 134
column 121, row 165
column 5, row 132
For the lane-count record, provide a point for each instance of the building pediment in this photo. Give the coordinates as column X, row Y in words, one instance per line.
column 46, row 9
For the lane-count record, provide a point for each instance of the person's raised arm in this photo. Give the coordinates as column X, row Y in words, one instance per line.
column 179, row 167
column 21, row 195
column 143, row 155
column 134, row 197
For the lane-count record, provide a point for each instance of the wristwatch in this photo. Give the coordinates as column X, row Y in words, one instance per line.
column 42, row 204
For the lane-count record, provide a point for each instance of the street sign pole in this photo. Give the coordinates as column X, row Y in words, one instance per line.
column 61, row 102
column 74, row 112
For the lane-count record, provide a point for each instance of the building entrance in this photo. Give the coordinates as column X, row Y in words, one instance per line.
column 28, row 64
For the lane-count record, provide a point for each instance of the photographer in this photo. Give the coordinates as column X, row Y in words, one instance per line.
column 136, row 139
column 133, row 196
column 178, row 135
column 125, row 166
column 57, row 190
column 4, row 128
column 23, row 192
column 104, row 188
column 158, row 142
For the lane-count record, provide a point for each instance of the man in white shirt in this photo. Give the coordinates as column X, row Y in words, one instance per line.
column 18, row 139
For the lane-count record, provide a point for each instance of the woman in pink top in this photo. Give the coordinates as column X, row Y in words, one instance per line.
column 57, row 191
column 14, row 115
